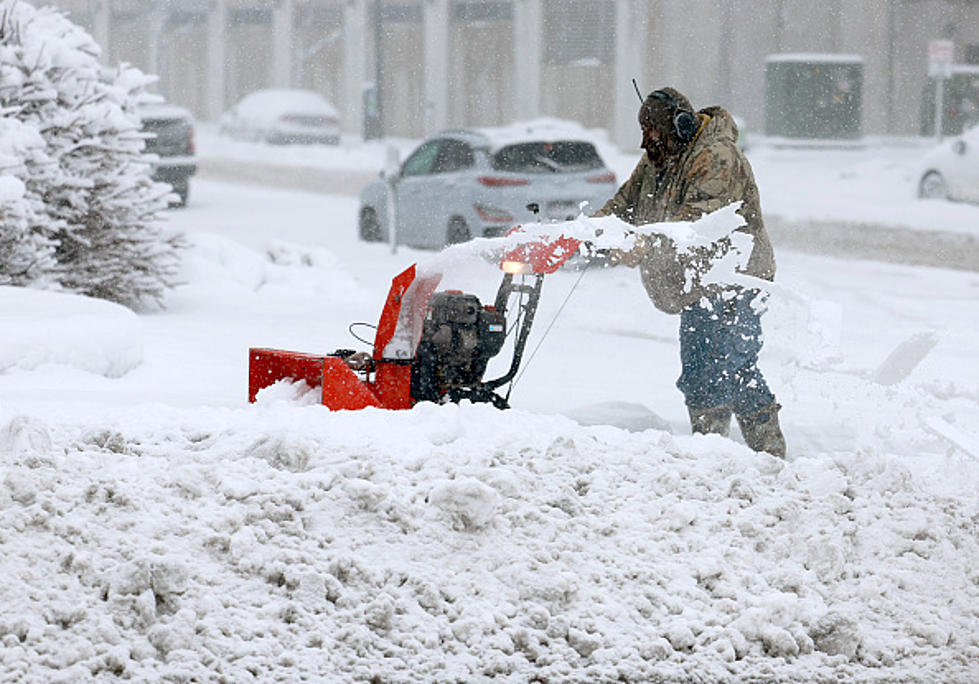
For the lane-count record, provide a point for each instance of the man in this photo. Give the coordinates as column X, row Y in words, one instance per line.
column 693, row 166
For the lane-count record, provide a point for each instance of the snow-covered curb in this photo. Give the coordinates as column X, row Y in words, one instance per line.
column 896, row 244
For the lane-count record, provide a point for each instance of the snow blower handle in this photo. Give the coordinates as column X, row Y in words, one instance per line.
column 542, row 256
column 538, row 258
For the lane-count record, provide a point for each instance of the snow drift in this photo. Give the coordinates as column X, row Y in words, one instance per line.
column 458, row 543
column 45, row 328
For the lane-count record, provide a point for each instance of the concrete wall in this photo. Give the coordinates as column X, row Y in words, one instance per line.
column 481, row 90
column 493, row 70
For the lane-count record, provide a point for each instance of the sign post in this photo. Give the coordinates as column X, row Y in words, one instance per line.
column 941, row 53
column 391, row 168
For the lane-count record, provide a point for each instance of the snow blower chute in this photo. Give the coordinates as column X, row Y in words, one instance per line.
column 429, row 346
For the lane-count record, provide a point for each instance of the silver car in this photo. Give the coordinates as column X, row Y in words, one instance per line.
column 481, row 182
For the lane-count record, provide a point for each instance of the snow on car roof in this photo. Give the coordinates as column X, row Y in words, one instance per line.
column 285, row 99
column 822, row 57
column 541, row 129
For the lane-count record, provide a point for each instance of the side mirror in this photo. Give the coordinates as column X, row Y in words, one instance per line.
column 959, row 147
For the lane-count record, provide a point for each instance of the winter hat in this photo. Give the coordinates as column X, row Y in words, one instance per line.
column 661, row 106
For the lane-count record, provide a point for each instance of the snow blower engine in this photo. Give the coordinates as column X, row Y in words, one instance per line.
column 429, row 346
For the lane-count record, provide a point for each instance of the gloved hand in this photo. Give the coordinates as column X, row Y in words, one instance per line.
column 631, row 257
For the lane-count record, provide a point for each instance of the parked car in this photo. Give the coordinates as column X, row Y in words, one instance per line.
column 283, row 117
column 951, row 169
column 481, row 182
column 170, row 136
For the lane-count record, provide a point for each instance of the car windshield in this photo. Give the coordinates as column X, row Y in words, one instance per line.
column 547, row 157
column 168, row 135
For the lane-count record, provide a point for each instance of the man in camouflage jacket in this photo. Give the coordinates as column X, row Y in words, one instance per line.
column 693, row 166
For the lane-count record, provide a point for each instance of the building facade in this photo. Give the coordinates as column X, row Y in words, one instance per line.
column 446, row 63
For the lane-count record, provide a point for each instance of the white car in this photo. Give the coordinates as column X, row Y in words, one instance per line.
column 282, row 117
column 951, row 170
column 481, row 182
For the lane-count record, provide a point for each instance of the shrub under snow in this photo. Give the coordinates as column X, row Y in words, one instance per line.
column 82, row 202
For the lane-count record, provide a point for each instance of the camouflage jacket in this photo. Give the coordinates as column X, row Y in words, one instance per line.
column 710, row 173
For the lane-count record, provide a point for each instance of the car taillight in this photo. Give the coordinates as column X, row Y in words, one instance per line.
column 492, row 214
column 190, row 141
column 501, row 181
column 602, row 178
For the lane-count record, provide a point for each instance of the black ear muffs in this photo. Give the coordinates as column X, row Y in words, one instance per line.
column 686, row 125
column 684, row 122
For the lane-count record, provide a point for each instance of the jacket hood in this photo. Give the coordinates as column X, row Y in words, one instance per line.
column 721, row 126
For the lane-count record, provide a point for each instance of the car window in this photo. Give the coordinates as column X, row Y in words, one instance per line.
column 453, row 155
column 545, row 157
column 168, row 136
column 421, row 160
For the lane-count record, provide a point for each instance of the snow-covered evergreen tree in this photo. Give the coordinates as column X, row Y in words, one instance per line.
column 100, row 203
column 26, row 250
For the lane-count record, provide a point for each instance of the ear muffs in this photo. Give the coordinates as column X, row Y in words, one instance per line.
column 686, row 125
column 684, row 122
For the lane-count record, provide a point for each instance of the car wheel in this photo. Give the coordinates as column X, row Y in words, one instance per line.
column 933, row 186
column 370, row 227
column 458, row 231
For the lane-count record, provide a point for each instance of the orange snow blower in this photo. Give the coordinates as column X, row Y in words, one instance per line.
column 429, row 346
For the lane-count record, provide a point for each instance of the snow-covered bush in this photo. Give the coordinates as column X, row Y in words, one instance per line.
column 93, row 200
column 26, row 252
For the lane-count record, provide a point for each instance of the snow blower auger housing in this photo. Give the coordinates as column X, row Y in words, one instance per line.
column 429, row 346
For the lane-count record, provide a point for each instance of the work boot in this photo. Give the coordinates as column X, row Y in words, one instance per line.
column 761, row 430
column 711, row 421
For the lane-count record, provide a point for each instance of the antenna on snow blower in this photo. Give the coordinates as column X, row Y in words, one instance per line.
column 636, row 86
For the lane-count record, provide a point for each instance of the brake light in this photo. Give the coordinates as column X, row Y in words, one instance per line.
column 492, row 214
column 501, row 181
column 603, row 178
column 190, row 141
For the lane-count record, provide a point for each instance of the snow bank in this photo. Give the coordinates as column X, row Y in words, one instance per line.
column 53, row 328
column 458, row 543
column 872, row 186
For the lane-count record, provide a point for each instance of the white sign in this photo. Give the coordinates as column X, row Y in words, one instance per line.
column 941, row 53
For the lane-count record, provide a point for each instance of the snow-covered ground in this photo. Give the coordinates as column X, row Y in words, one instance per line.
column 155, row 526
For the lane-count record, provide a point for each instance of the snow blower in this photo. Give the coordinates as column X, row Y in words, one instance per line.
column 428, row 346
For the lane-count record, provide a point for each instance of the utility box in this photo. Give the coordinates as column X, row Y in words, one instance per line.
column 813, row 96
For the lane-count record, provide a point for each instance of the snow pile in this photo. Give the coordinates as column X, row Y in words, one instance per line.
column 54, row 328
column 454, row 543
column 874, row 185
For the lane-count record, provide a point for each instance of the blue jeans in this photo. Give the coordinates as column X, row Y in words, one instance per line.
column 719, row 344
